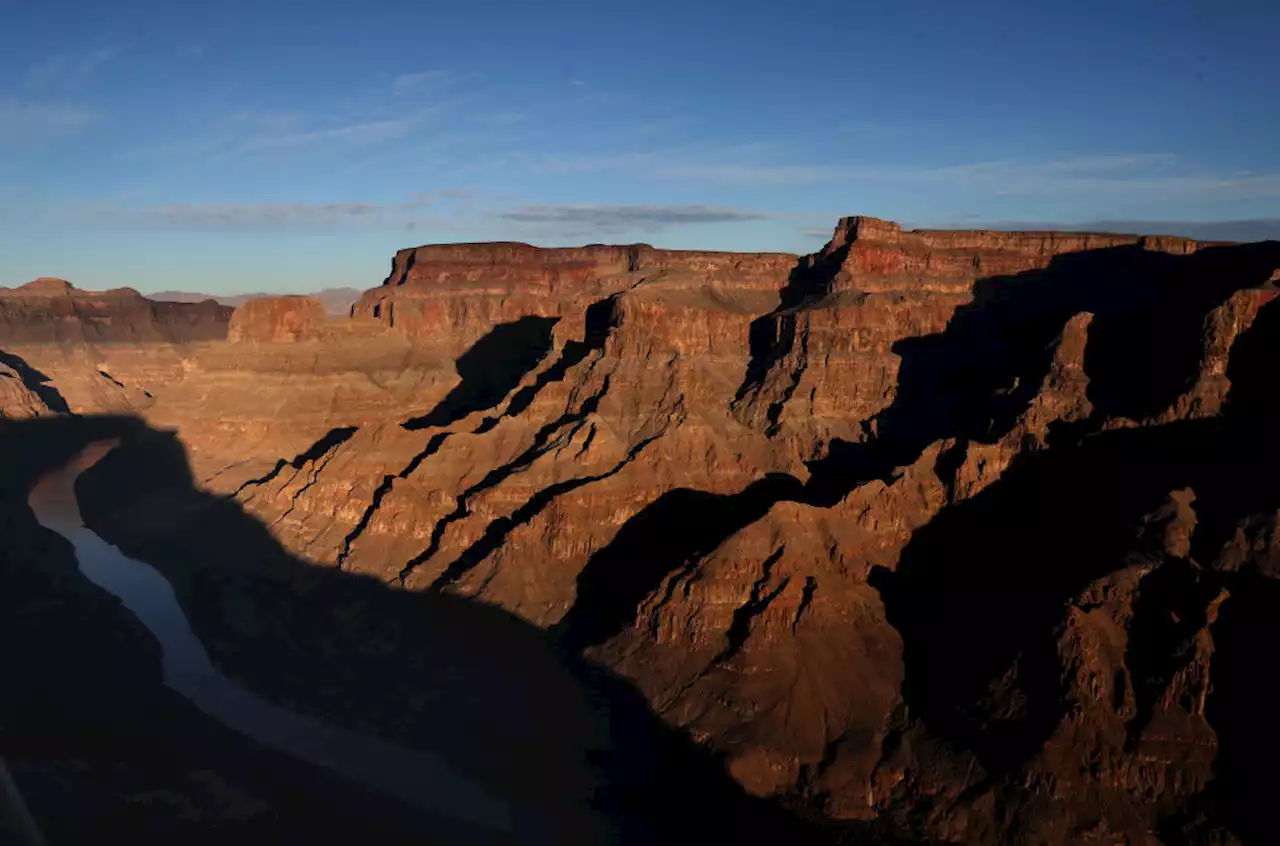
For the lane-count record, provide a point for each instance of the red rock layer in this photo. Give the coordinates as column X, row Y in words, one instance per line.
column 868, row 248
column 929, row 531
column 874, row 285
column 454, row 293
column 54, row 311
column 278, row 319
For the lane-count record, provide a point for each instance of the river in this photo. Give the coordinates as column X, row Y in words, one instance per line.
column 417, row 777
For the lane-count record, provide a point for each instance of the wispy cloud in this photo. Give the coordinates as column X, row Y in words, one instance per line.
column 740, row 164
column 621, row 218
column 367, row 126
column 69, row 70
column 355, row 133
column 252, row 217
column 264, row 132
column 459, row 211
column 26, row 121
column 440, row 114
column 1252, row 229
column 1144, row 176
column 408, row 83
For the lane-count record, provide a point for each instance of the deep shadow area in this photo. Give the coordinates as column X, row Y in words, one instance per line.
column 541, row 443
column 599, row 318
column 474, row 684
column 102, row 751
column 1248, row 484
column 771, row 336
column 975, row 378
column 984, row 584
column 673, row 532
column 976, row 596
column 327, row 441
column 36, row 382
column 1242, row 709
column 1245, row 499
column 972, row 380
column 496, row 533
column 1169, row 611
column 491, row 369
column 982, row 588
column 331, row 439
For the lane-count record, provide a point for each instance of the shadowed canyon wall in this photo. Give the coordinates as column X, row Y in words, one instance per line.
column 936, row 535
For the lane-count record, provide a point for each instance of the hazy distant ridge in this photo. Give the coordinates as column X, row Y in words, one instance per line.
column 336, row 300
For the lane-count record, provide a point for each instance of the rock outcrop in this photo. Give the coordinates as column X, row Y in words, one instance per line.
column 454, row 293
column 874, row 286
column 54, row 311
column 20, row 390
column 337, row 301
column 278, row 319
column 99, row 351
column 932, row 535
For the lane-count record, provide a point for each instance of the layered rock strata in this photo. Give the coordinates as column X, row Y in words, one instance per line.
column 931, row 534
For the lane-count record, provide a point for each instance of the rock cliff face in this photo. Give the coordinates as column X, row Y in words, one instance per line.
column 933, row 535
column 98, row 351
column 336, row 301
column 455, row 293
column 278, row 319
column 54, row 311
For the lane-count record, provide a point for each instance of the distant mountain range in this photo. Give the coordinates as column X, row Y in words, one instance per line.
column 336, row 301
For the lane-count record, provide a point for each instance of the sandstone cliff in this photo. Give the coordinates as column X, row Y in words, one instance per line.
column 949, row 536
column 337, row 301
column 54, row 311
column 278, row 319
column 98, row 351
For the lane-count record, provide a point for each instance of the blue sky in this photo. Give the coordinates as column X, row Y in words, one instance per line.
column 238, row 146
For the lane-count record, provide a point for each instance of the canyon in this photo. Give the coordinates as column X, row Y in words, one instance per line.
column 927, row 537
column 336, row 301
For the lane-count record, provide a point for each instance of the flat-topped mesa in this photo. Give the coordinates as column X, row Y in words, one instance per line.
column 278, row 319
column 51, row 287
column 458, row 291
column 49, row 310
column 876, row 254
column 875, row 284
column 45, row 286
column 443, row 265
column 436, row 266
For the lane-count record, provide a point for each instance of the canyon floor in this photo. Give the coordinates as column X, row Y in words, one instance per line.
column 928, row 537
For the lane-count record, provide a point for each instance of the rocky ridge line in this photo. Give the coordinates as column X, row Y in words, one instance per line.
column 790, row 501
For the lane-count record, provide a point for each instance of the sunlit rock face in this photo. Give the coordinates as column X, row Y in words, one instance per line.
column 953, row 536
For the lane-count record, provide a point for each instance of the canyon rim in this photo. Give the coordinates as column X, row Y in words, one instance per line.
column 932, row 536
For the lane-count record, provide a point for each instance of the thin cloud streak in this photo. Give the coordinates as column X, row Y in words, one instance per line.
column 407, row 83
column 371, row 128
column 69, row 70
column 1249, row 229
column 627, row 217
column 720, row 166
column 1147, row 176
column 243, row 217
column 40, row 121
column 371, row 132
column 455, row 214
